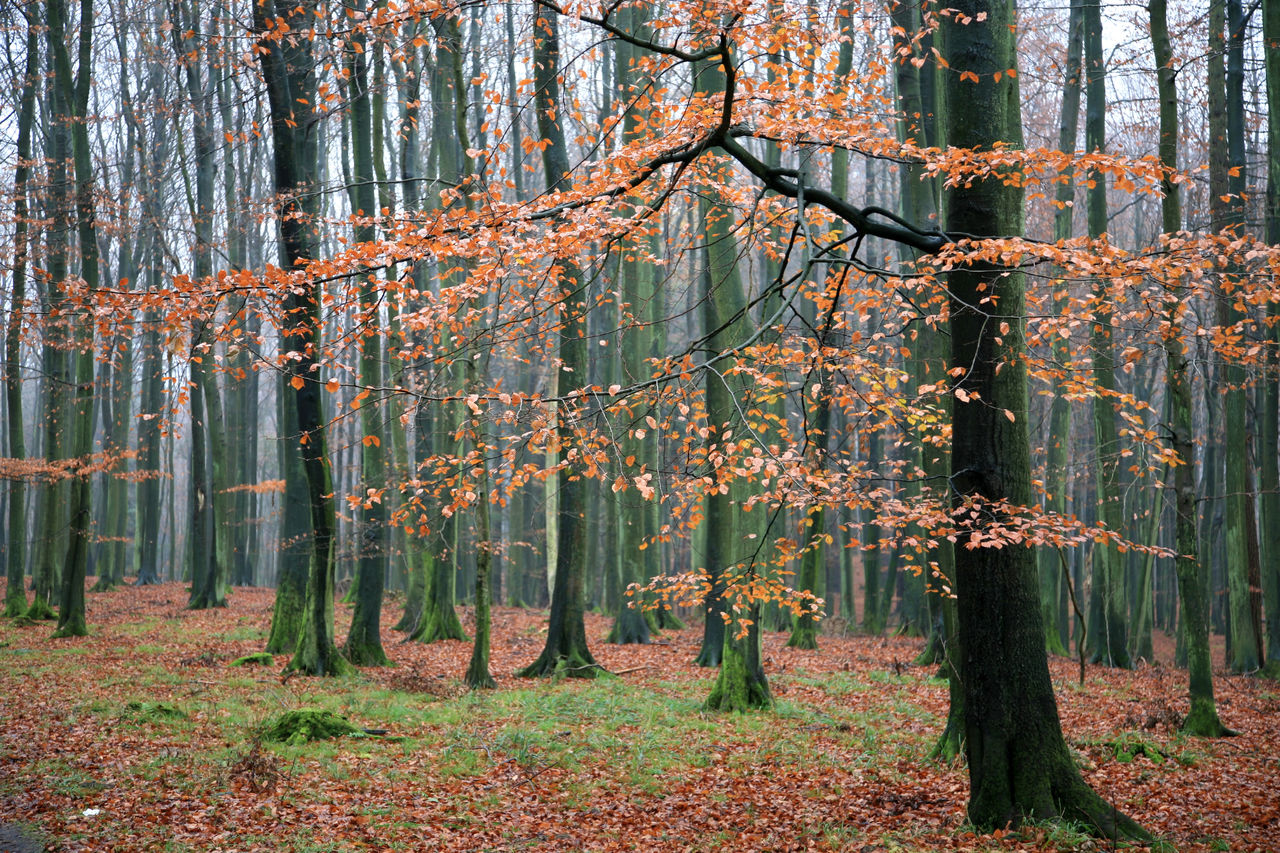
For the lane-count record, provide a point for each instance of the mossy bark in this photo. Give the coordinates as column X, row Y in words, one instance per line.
column 1019, row 764
column 566, row 648
column 950, row 744
column 15, row 597
column 289, row 71
column 439, row 620
column 364, row 640
column 415, row 597
column 812, row 578
column 478, row 675
column 741, row 684
column 1058, row 440
column 1108, row 625
column 295, row 538
column 71, row 612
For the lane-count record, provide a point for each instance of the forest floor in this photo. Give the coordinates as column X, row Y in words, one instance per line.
column 141, row 736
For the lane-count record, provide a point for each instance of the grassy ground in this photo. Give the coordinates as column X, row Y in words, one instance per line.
column 143, row 737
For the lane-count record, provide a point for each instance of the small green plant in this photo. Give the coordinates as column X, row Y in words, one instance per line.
column 1130, row 745
column 152, row 712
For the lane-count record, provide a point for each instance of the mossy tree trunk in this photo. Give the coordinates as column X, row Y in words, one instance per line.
column 50, row 522
column 1108, row 628
column 1058, row 440
column 151, row 402
column 637, row 551
column 1269, row 456
column 209, row 501
column 15, row 599
column 295, row 534
column 741, row 684
column 364, row 640
column 289, row 71
column 566, row 648
column 1019, row 764
column 71, row 612
column 1243, row 575
column 726, row 325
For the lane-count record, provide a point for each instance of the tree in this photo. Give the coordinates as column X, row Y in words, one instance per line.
column 15, row 599
column 566, row 647
column 75, row 98
column 1058, row 441
column 289, row 68
column 1019, row 764
column 1108, row 626
column 1203, row 718
column 364, row 641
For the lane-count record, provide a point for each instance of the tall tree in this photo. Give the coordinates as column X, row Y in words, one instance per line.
column 1269, row 455
column 566, row 648
column 288, row 65
column 1108, row 626
column 71, row 614
column 15, row 599
column 1058, row 441
column 364, row 640
column 1203, row 718
column 1019, row 763
column 1227, row 102
column 209, row 499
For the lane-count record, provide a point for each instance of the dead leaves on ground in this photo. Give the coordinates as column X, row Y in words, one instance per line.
column 841, row 767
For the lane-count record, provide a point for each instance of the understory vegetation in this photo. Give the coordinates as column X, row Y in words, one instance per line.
column 144, row 735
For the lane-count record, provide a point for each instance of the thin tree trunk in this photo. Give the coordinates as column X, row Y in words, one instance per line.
column 1108, row 628
column 15, row 599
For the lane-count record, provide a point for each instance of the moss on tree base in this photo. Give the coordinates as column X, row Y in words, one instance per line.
column 1203, row 721
column 15, row 606
column 571, row 665
column 40, row 611
column 741, row 685
column 364, row 653
column 804, row 636
column 631, row 627
column 438, row 624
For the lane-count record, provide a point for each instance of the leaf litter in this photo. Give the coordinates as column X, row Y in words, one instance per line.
column 629, row 763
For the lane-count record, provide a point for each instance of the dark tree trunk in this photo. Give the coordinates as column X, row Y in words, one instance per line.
column 1019, row 764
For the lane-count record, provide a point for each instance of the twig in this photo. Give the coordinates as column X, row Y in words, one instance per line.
column 632, row 669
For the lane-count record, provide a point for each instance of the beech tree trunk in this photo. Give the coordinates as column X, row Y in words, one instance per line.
column 15, row 598
column 289, row 70
column 1019, row 764
column 566, row 647
column 71, row 613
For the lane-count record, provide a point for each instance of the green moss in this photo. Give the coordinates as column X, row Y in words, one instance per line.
column 298, row 727
column 255, row 659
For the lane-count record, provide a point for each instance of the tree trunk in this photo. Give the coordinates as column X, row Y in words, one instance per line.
column 1108, row 627
column 289, row 70
column 71, row 614
column 15, row 599
column 566, row 648
column 1019, row 764
column 1270, row 435
column 364, row 641
column 1058, row 441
